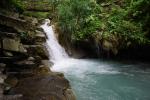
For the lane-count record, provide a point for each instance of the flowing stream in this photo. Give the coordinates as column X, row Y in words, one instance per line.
column 97, row 79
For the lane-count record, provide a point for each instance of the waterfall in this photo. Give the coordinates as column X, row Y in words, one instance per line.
column 57, row 52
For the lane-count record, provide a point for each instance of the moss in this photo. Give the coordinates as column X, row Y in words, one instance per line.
column 36, row 14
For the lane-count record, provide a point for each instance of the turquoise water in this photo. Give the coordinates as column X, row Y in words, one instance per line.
column 106, row 80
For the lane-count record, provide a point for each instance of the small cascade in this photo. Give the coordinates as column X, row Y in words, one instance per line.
column 96, row 79
column 57, row 52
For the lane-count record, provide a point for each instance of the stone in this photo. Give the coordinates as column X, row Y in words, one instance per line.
column 110, row 46
column 16, row 23
column 59, row 74
column 7, row 88
column 47, row 63
column 2, row 65
column 69, row 94
column 11, row 81
column 9, row 59
column 3, row 76
column 42, row 70
column 40, row 37
column 107, row 45
column 13, row 45
column 31, row 59
column 34, row 21
column 44, row 87
column 1, row 89
column 39, row 28
column 8, row 34
column 12, row 97
column 25, row 64
column 37, row 50
column 8, row 54
column 1, row 80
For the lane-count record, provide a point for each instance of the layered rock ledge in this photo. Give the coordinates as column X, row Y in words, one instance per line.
column 24, row 63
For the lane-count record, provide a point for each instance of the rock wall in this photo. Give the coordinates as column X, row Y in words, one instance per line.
column 24, row 63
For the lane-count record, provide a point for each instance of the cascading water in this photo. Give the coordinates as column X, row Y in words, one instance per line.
column 56, row 51
column 98, row 79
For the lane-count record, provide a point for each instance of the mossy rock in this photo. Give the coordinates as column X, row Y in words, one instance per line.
column 42, row 70
column 36, row 14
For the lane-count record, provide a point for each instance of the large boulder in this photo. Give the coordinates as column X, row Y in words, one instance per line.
column 44, row 87
column 13, row 45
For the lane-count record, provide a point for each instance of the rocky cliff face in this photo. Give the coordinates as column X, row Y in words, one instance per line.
column 24, row 62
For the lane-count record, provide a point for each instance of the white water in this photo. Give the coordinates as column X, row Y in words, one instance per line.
column 97, row 79
column 60, row 58
column 57, row 52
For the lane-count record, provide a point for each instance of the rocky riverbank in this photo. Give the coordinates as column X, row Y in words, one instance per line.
column 24, row 62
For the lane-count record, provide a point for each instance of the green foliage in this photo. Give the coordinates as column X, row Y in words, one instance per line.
column 23, row 35
column 36, row 14
column 139, row 12
column 127, row 19
column 12, row 5
column 76, row 18
column 18, row 5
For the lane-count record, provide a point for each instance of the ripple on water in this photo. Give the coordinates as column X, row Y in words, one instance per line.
column 96, row 80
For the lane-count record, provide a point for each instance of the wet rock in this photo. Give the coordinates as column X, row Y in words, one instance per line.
column 1, row 89
column 13, row 45
column 110, row 46
column 25, row 63
column 46, row 87
column 15, row 22
column 11, row 97
column 58, row 74
column 69, row 95
column 34, row 21
column 7, row 88
column 10, row 59
column 2, row 78
column 42, row 70
column 8, row 54
column 37, row 50
column 47, row 63
column 40, row 37
column 31, row 59
column 2, row 65
column 11, row 81
column 39, row 27
column 22, row 73
column 23, row 68
column 8, row 34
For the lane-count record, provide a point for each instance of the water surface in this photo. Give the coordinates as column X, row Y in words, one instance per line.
column 106, row 80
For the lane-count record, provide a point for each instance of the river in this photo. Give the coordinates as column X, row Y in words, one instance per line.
column 106, row 80
column 97, row 79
